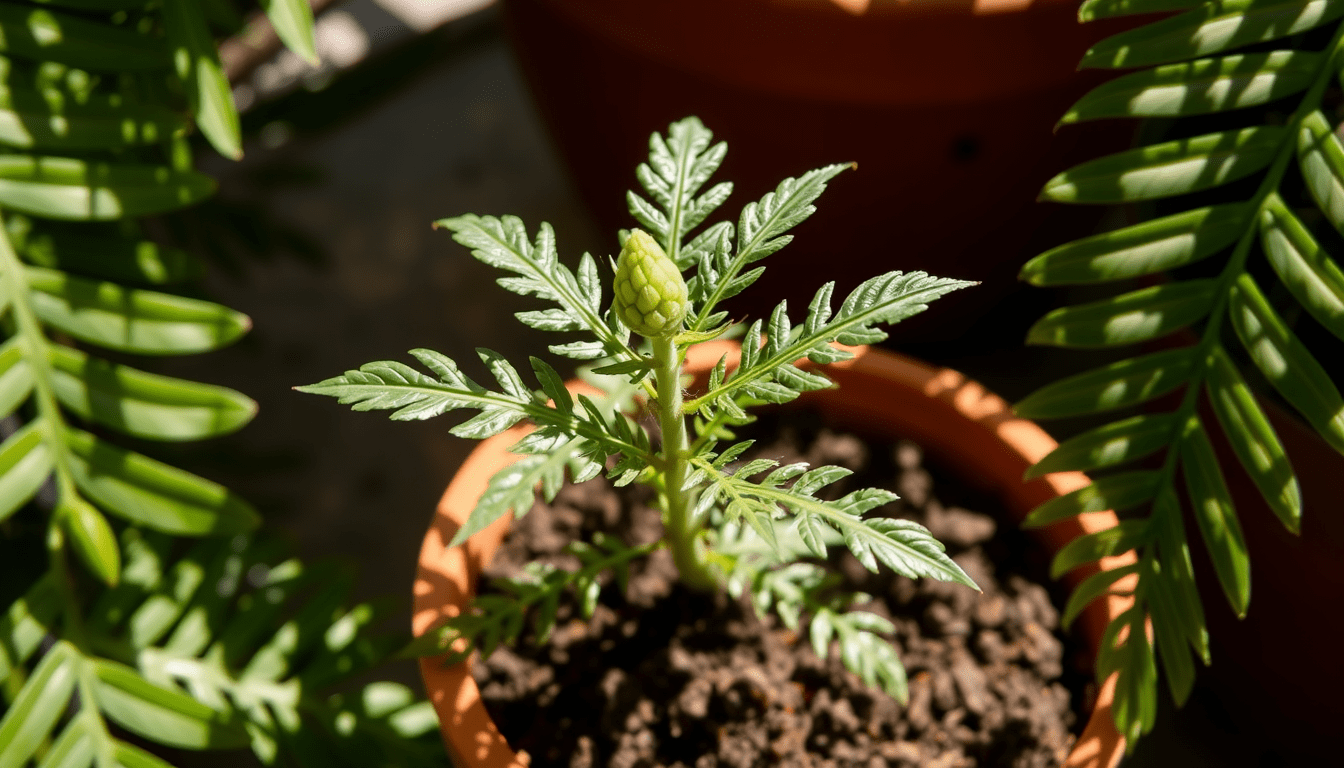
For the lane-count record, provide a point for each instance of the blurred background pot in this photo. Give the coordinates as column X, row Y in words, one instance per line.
column 947, row 107
column 953, row 418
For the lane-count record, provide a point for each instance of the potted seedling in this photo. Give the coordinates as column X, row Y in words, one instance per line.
column 730, row 521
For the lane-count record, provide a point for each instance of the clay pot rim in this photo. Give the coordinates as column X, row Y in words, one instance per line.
column 445, row 578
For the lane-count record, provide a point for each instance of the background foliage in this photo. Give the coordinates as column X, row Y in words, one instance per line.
column 1245, row 200
column 156, row 618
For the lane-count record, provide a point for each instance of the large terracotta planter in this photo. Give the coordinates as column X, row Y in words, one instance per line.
column 953, row 418
column 947, row 107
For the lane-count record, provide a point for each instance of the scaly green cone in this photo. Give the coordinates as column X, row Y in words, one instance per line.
column 650, row 294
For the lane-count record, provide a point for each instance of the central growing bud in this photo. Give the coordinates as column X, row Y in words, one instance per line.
column 650, row 294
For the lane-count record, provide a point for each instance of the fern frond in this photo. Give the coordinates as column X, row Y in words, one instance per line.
column 1193, row 70
column 225, row 646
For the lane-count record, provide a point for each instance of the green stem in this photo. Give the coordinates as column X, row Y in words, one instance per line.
column 681, row 528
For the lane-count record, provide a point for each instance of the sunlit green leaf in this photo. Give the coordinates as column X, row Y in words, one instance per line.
column 1321, row 158
column 1215, row 26
column 1116, row 385
column 96, row 250
column 1142, row 249
column 1199, row 87
column 1147, row 313
column 1249, row 432
column 43, row 35
column 196, row 61
column 1303, row 265
column 49, row 120
column 1285, row 361
column 293, row 22
column 26, row 460
column 1216, row 516
column 145, row 404
column 16, row 375
column 152, row 493
column 1178, row 571
column 92, row 537
column 39, row 704
column 1172, row 168
column 168, row 717
column 1091, row 547
column 1114, row 492
column 1091, row 10
column 131, row 320
column 1110, row 444
column 87, row 190
column 1094, row 586
column 1171, row 645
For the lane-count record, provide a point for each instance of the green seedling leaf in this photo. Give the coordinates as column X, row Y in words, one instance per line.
column 1199, row 87
column 1216, row 516
column 679, row 165
column 152, row 493
column 1116, row 443
column 512, row 489
column 1165, row 170
column 1142, row 249
column 131, row 320
column 1147, row 313
column 1285, row 361
column 1251, row 436
column 144, row 404
column 1113, row 492
column 1213, row 27
column 1304, row 267
column 84, row 190
column 1116, row 385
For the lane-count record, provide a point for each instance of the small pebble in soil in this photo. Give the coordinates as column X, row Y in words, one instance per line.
column 637, row 686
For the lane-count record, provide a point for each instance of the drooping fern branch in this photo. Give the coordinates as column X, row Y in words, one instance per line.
column 1192, row 69
column 226, row 644
column 121, row 627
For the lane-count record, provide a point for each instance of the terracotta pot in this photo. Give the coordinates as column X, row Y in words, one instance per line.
column 953, row 418
column 947, row 107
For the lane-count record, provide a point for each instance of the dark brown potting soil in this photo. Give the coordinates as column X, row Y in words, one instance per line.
column 662, row 676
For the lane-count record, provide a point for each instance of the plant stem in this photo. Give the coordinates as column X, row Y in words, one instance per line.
column 681, row 528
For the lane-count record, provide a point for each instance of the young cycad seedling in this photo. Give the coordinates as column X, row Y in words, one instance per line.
column 729, row 524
